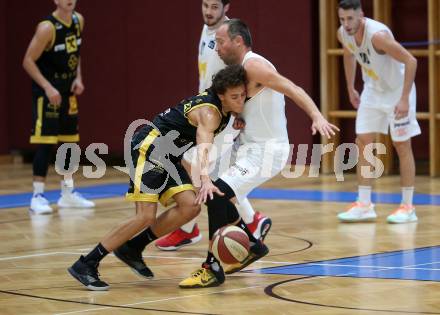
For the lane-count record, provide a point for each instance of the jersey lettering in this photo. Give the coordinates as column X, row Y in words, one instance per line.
column 364, row 58
column 71, row 44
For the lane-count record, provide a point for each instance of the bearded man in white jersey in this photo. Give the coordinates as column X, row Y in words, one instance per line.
column 214, row 14
column 264, row 145
column 388, row 101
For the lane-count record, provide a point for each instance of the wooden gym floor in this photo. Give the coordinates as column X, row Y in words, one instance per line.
column 317, row 265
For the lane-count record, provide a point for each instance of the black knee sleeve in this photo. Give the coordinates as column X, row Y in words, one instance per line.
column 42, row 159
column 225, row 188
column 217, row 214
column 232, row 211
column 221, row 211
column 233, row 215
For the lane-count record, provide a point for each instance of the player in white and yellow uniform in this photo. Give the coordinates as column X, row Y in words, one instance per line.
column 214, row 13
column 388, row 101
column 209, row 61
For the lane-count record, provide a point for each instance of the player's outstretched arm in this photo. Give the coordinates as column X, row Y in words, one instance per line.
column 207, row 121
column 260, row 72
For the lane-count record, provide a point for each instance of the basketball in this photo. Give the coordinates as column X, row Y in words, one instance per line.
column 230, row 245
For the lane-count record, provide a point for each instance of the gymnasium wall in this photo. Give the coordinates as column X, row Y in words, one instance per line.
column 410, row 30
column 4, row 136
column 140, row 57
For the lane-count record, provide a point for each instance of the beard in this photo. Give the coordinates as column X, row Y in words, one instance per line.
column 212, row 21
column 229, row 60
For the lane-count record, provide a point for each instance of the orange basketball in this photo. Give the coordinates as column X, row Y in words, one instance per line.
column 230, row 245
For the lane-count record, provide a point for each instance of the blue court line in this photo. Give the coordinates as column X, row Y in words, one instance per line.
column 416, row 264
column 338, row 196
column 90, row 192
column 118, row 190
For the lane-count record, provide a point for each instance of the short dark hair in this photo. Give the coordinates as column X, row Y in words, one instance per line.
column 225, row 2
column 349, row 4
column 238, row 27
column 231, row 76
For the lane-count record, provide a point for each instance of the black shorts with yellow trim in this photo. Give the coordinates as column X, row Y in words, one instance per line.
column 52, row 123
column 150, row 181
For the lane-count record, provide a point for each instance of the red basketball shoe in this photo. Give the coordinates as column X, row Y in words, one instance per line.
column 178, row 239
column 260, row 226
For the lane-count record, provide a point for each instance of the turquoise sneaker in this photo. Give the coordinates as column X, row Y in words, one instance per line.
column 403, row 214
column 358, row 212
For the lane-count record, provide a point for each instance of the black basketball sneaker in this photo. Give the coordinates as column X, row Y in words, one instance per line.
column 133, row 259
column 87, row 274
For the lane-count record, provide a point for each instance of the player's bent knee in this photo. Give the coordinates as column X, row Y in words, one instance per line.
column 146, row 219
column 192, row 212
column 146, row 212
column 186, row 203
column 189, row 209
column 225, row 188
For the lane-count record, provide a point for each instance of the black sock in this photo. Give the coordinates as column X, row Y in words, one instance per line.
column 213, row 263
column 210, row 258
column 140, row 241
column 42, row 159
column 97, row 254
column 244, row 227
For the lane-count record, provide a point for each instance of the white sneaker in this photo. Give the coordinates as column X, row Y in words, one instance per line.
column 358, row 212
column 403, row 214
column 74, row 200
column 40, row 205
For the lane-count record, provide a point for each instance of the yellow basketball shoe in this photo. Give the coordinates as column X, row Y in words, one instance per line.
column 204, row 277
column 257, row 251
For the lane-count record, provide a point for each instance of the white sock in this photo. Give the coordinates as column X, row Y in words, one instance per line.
column 246, row 211
column 364, row 194
column 189, row 227
column 66, row 186
column 38, row 188
column 407, row 195
column 215, row 266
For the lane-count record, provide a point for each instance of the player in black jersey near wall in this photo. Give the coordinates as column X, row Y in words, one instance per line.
column 53, row 62
column 158, row 175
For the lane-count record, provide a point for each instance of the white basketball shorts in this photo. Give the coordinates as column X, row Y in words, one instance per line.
column 255, row 164
column 376, row 114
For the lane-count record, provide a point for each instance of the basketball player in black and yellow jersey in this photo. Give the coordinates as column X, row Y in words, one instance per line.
column 52, row 60
column 158, row 175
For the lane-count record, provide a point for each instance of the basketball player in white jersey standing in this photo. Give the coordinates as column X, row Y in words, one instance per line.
column 264, row 143
column 388, row 101
column 214, row 14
